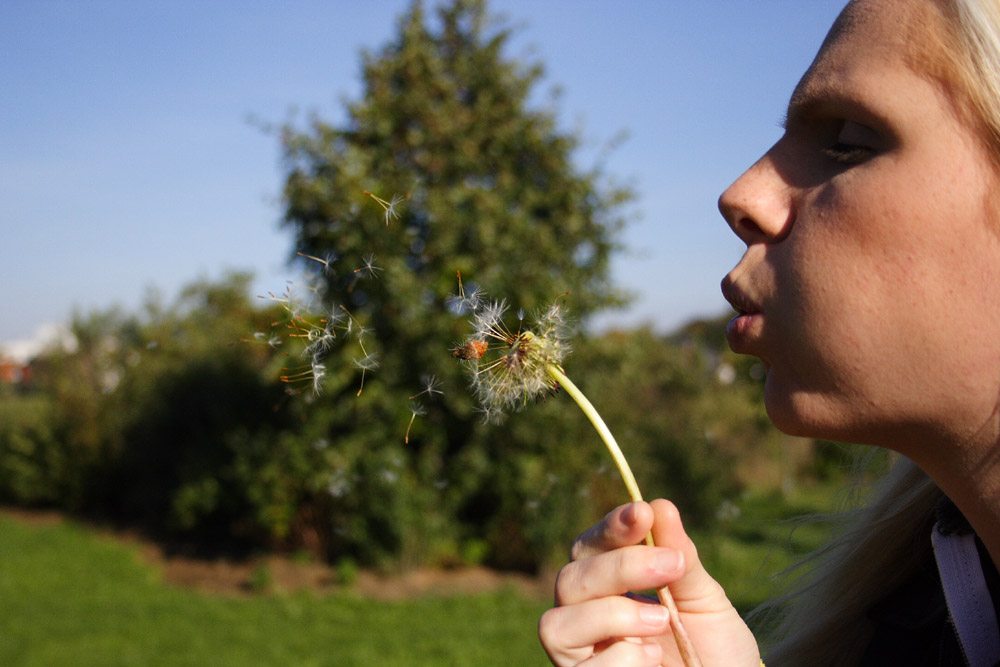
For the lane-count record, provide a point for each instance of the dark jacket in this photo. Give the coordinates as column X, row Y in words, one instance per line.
column 911, row 624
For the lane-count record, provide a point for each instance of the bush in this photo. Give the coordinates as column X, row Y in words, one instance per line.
column 35, row 467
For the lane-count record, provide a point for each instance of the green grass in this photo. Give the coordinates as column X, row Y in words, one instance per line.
column 69, row 597
column 746, row 553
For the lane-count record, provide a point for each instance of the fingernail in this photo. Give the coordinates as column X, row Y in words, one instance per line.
column 653, row 614
column 668, row 561
column 628, row 516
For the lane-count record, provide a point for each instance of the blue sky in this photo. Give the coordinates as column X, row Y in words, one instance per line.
column 127, row 161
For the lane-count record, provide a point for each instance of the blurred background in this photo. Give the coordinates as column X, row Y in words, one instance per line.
column 134, row 157
column 295, row 460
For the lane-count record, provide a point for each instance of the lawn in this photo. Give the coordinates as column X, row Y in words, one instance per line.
column 70, row 597
column 73, row 596
column 747, row 552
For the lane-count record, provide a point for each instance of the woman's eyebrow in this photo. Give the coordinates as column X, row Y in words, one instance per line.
column 812, row 97
column 808, row 95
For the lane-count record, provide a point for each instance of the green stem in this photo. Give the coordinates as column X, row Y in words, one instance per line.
column 588, row 408
column 684, row 644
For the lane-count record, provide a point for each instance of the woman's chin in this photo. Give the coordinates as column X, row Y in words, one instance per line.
column 799, row 413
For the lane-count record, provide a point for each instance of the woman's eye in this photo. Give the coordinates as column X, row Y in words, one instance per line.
column 849, row 154
column 854, row 144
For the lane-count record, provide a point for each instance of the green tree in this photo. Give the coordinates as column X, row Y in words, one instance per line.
column 484, row 184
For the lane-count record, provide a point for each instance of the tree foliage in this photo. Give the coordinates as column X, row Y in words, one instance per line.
column 489, row 183
column 486, row 185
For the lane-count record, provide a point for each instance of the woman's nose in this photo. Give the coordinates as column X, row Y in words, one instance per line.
column 759, row 206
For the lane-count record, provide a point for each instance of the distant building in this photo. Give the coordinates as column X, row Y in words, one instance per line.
column 13, row 372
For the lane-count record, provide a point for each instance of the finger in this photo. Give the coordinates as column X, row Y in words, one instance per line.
column 569, row 634
column 622, row 526
column 697, row 584
column 618, row 572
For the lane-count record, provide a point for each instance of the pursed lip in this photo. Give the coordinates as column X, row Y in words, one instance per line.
column 746, row 323
column 737, row 298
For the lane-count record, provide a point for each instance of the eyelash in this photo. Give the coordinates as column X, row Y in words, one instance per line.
column 848, row 154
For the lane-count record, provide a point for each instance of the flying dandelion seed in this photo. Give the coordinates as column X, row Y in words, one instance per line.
column 319, row 336
column 271, row 340
column 461, row 302
column 416, row 409
column 327, row 263
column 391, row 208
column 431, row 387
column 368, row 269
column 367, row 363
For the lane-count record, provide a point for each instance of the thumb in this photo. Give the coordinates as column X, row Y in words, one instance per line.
column 696, row 591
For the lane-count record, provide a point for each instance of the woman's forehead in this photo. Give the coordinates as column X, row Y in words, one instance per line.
column 862, row 39
column 876, row 34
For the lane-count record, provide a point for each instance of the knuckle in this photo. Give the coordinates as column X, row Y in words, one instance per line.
column 618, row 611
column 624, row 560
column 585, row 545
column 566, row 583
column 548, row 631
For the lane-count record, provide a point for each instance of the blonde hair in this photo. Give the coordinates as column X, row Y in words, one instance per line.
column 977, row 23
column 876, row 549
column 823, row 623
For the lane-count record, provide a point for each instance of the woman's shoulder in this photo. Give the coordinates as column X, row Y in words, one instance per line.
column 911, row 624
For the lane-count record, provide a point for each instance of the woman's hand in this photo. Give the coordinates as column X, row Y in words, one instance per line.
column 595, row 623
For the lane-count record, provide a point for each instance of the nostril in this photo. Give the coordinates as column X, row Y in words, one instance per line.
column 748, row 230
column 738, row 218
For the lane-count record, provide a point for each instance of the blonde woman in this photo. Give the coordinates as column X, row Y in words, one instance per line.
column 870, row 289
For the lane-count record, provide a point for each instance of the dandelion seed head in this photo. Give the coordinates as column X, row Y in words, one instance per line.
column 488, row 320
column 515, row 370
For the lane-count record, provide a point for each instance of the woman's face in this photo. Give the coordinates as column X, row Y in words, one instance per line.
column 870, row 286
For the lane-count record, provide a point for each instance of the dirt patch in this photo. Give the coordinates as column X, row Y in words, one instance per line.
column 449, row 582
column 283, row 574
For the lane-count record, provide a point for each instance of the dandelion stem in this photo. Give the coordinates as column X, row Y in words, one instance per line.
column 588, row 408
column 684, row 644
